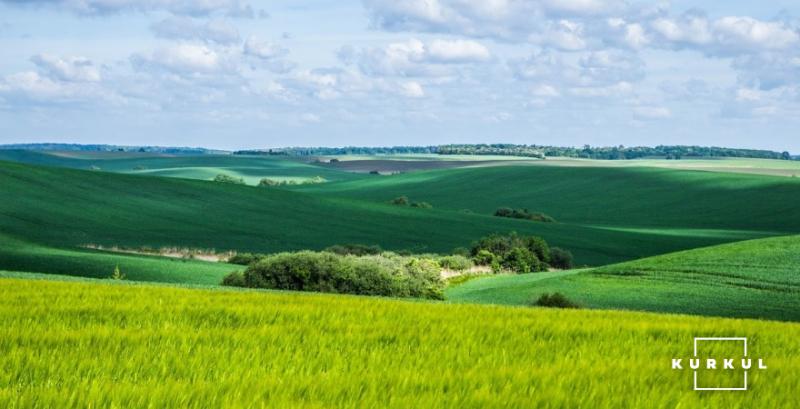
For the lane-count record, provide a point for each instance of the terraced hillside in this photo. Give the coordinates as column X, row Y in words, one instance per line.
column 755, row 278
column 101, row 345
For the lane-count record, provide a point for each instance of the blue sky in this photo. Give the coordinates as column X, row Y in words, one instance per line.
column 250, row 74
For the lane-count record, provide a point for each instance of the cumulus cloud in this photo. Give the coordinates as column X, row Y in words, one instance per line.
column 415, row 58
column 32, row 88
column 456, row 51
column 183, row 59
column 594, row 74
column 72, row 69
column 268, row 55
column 725, row 36
column 187, row 28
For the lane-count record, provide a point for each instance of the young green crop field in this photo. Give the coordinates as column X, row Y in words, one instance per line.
column 77, row 345
column 756, row 278
column 204, row 167
column 66, row 208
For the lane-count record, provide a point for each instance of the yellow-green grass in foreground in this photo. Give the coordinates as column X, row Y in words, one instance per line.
column 78, row 345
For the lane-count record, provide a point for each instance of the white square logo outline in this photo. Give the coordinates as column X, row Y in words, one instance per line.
column 744, row 341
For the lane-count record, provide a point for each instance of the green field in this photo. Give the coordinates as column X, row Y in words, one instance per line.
column 77, row 345
column 757, row 278
column 204, row 167
column 61, row 208
column 605, row 215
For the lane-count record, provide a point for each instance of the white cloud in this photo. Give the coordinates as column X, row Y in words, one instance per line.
column 74, row 69
column 187, row 28
column 456, row 51
column 33, row 88
column 264, row 50
column 651, row 112
column 415, row 58
column 183, row 59
column 268, row 55
column 545, row 91
column 750, row 34
column 412, row 89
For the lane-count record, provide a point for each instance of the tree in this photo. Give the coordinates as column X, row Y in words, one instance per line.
column 786, row 156
column 560, row 258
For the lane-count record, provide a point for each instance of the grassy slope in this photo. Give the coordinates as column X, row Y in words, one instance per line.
column 17, row 255
column 204, row 167
column 618, row 197
column 96, row 345
column 63, row 207
column 757, row 278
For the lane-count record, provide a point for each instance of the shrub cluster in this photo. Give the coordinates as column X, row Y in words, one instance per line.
column 385, row 275
column 354, row 249
column 455, row 263
column 245, row 258
column 523, row 214
column 403, row 201
column 560, row 258
column 267, row 182
column 555, row 300
column 521, row 254
column 223, row 178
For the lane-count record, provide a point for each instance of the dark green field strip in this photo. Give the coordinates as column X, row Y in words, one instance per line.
column 17, row 255
column 629, row 197
column 186, row 166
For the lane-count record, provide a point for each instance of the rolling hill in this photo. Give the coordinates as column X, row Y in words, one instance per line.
column 65, row 208
column 755, row 278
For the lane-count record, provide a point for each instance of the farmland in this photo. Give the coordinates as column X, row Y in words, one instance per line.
column 61, row 207
column 756, row 278
column 102, row 345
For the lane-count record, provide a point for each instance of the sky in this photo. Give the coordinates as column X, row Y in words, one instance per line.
column 234, row 74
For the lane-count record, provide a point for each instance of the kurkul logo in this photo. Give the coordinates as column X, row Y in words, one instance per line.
column 727, row 363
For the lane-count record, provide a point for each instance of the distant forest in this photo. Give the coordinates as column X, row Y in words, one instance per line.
column 110, row 148
column 503, row 149
column 537, row 151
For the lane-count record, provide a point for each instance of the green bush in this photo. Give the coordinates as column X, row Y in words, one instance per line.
column 523, row 214
column 521, row 254
column 384, row 275
column 400, row 201
column 354, row 249
column 484, row 257
column 555, row 300
column 234, row 279
column 560, row 258
column 455, row 262
column 521, row 260
column 223, row 178
column 245, row 258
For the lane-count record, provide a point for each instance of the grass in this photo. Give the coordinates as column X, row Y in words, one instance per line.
column 756, row 279
column 76, row 345
column 64, row 208
column 17, row 255
column 635, row 197
column 204, row 167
